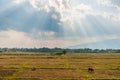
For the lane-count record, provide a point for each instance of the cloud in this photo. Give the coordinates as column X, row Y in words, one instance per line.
column 62, row 10
column 55, row 13
column 68, row 14
column 110, row 3
column 112, row 16
column 18, row 1
column 44, row 22
column 13, row 39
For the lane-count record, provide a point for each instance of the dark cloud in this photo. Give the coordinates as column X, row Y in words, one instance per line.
column 25, row 18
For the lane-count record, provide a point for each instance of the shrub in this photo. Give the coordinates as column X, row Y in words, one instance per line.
column 59, row 53
column 64, row 52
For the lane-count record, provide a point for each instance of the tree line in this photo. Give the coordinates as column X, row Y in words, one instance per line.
column 44, row 49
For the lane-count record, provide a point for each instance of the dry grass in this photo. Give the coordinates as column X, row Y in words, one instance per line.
column 7, row 72
column 30, row 66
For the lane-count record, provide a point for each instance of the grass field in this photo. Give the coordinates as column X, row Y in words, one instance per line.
column 41, row 66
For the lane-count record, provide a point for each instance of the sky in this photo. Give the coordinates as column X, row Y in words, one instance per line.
column 60, row 23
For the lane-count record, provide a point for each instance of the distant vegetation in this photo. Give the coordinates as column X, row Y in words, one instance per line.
column 59, row 53
column 58, row 50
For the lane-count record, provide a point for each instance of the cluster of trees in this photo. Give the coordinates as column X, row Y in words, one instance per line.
column 85, row 50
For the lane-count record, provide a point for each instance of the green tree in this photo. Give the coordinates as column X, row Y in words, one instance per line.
column 64, row 52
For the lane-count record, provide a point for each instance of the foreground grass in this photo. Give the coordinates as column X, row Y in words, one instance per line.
column 41, row 66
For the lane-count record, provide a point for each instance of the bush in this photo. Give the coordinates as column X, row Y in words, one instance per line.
column 59, row 53
column 64, row 52
column 56, row 53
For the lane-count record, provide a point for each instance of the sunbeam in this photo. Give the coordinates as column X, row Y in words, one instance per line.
column 59, row 23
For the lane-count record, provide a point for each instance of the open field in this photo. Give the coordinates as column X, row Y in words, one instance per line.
column 40, row 66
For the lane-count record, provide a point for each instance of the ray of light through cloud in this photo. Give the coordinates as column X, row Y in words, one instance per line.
column 58, row 23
